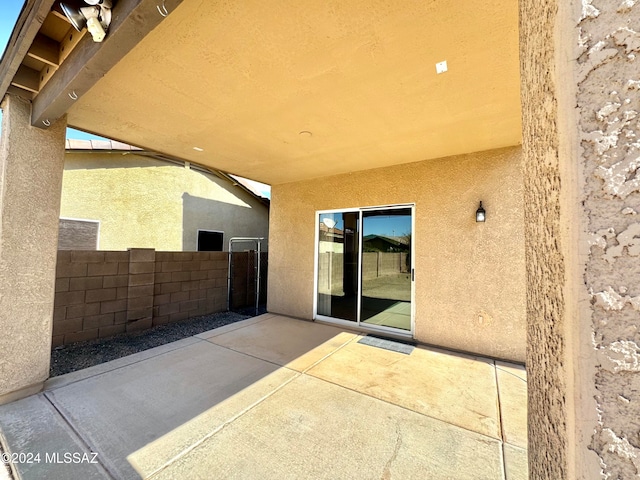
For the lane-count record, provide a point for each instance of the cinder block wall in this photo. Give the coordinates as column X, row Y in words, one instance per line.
column 100, row 294
column 188, row 284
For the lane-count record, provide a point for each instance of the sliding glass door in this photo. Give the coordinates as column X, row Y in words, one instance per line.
column 364, row 267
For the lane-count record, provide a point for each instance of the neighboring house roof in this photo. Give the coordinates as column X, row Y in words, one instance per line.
column 107, row 146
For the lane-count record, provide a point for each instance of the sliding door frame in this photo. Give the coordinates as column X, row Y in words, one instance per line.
column 358, row 324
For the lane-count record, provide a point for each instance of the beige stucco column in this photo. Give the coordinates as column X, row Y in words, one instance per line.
column 581, row 105
column 31, row 166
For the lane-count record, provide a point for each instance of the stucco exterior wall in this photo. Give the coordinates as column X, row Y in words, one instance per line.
column 470, row 277
column 145, row 203
column 581, row 101
column 30, row 179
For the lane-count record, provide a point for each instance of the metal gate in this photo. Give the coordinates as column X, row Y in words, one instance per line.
column 247, row 278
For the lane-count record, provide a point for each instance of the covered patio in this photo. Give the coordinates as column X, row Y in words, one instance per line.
column 351, row 109
column 273, row 397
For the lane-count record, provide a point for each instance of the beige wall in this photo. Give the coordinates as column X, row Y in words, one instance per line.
column 470, row 277
column 145, row 203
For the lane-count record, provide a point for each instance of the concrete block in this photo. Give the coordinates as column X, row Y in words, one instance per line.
column 157, row 289
column 139, row 313
column 63, row 256
column 197, row 294
column 207, row 265
column 92, row 309
column 99, row 269
column 137, row 255
column 113, row 306
column 80, row 336
column 59, row 313
column 191, row 285
column 111, row 330
column 101, row 295
column 193, row 265
column 62, row 327
column 123, row 268
column 161, row 320
column 141, row 291
column 168, row 309
column 140, row 302
column 142, row 324
column 189, row 305
column 141, row 279
column 179, row 297
column 162, row 299
column 205, row 284
column 180, row 276
column 198, row 275
column 71, row 270
column 221, row 265
column 178, row 317
column 171, row 266
column 162, row 277
column 120, row 318
column 69, row 298
column 97, row 321
column 62, row 284
column 119, row 257
column 57, row 340
column 144, row 267
column 85, row 283
column 76, row 311
column 123, row 293
column 112, row 281
column 163, row 257
column 87, row 256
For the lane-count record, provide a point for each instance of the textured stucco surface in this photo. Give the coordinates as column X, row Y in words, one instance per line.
column 581, row 98
column 608, row 98
column 31, row 164
column 546, row 316
column 145, row 203
column 470, row 277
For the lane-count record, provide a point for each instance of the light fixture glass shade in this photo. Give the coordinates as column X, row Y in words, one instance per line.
column 481, row 215
column 73, row 13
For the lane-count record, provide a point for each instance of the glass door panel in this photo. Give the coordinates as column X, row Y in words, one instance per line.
column 338, row 265
column 386, row 268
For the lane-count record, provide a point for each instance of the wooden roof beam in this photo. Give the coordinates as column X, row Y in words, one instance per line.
column 90, row 61
column 27, row 79
column 45, row 49
column 24, row 32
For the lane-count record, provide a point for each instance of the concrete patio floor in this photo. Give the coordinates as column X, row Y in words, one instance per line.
column 276, row 398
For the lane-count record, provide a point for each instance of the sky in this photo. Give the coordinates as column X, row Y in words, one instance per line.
column 9, row 11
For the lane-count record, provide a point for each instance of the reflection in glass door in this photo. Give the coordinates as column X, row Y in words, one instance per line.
column 364, row 267
column 338, row 265
column 386, row 268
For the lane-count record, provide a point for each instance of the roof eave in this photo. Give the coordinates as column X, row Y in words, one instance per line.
column 24, row 32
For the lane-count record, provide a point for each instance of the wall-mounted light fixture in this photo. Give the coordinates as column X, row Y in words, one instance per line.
column 481, row 215
column 96, row 17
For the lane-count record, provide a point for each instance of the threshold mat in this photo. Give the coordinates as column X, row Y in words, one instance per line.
column 393, row 345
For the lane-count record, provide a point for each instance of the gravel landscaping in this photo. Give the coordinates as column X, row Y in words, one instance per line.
column 77, row 356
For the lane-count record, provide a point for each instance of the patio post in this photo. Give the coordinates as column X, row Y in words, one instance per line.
column 580, row 105
column 31, row 167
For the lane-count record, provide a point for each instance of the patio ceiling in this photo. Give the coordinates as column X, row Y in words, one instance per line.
column 284, row 90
